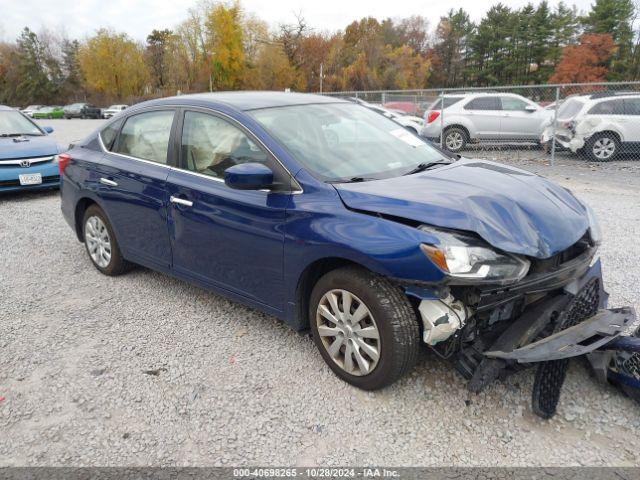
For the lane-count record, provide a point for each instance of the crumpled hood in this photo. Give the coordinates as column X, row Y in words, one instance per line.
column 32, row 147
column 511, row 209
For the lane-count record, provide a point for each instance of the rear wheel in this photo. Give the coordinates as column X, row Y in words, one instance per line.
column 455, row 139
column 101, row 244
column 602, row 147
column 364, row 327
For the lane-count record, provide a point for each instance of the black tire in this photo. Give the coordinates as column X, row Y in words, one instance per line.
column 455, row 139
column 399, row 332
column 117, row 264
column 594, row 147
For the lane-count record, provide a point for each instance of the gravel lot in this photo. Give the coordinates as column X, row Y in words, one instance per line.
column 147, row 370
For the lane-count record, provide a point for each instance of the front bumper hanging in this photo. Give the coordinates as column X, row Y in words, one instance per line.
column 591, row 334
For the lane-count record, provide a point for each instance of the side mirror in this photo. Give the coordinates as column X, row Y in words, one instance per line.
column 530, row 109
column 248, row 176
column 48, row 129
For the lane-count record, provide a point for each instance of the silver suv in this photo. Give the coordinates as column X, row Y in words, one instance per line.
column 490, row 116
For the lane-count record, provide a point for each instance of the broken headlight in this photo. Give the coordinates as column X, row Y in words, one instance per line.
column 468, row 259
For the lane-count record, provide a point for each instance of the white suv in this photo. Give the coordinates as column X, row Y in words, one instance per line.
column 601, row 125
column 488, row 116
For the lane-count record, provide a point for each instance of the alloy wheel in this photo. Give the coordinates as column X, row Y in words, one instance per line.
column 604, row 148
column 98, row 242
column 348, row 332
column 454, row 140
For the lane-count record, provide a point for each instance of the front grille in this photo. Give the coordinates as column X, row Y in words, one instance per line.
column 550, row 375
column 547, row 264
column 582, row 306
column 16, row 162
column 632, row 365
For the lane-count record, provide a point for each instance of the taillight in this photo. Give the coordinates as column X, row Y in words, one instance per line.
column 570, row 125
column 431, row 116
column 63, row 161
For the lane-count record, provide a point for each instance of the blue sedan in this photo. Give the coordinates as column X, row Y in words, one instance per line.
column 335, row 219
column 28, row 156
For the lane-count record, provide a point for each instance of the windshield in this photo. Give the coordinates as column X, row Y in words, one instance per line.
column 13, row 123
column 340, row 142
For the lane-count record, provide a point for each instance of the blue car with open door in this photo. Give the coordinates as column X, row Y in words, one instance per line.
column 28, row 155
column 339, row 221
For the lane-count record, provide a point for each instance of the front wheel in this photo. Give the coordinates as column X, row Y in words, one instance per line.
column 364, row 327
column 101, row 244
column 602, row 147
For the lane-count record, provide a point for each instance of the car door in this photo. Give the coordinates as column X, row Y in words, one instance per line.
column 612, row 114
column 131, row 182
column 632, row 119
column 485, row 112
column 518, row 123
column 231, row 239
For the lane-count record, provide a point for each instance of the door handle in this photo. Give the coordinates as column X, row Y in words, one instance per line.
column 181, row 201
column 110, row 183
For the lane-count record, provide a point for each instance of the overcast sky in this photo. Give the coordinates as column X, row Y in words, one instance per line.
column 79, row 18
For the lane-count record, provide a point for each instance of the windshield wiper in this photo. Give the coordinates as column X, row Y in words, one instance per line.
column 353, row 180
column 5, row 135
column 358, row 179
column 425, row 166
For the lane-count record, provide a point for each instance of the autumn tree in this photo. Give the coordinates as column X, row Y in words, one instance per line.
column 586, row 62
column 225, row 42
column 113, row 64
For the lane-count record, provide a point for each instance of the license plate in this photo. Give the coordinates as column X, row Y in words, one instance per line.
column 30, row 179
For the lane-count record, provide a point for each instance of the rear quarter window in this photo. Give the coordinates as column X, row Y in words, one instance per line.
column 447, row 102
column 570, row 109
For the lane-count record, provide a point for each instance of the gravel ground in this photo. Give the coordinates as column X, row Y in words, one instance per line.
column 147, row 370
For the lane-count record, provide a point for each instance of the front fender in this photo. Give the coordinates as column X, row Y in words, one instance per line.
column 320, row 226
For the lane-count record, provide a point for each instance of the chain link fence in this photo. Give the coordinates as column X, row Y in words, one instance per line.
column 594, row 121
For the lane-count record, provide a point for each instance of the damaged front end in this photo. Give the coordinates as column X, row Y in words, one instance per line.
column 555, row 312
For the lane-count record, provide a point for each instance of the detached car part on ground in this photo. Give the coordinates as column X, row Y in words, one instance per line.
column 332, row 217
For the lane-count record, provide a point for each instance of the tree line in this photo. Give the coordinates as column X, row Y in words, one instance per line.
column 221, row 47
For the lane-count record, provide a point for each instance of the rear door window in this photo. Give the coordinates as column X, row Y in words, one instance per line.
column 608, row 107
column 632, row 106
column 146, row 136
column 484, row 103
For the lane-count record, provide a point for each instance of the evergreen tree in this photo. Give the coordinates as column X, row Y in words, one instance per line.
column 614, row 17
column 34, row 84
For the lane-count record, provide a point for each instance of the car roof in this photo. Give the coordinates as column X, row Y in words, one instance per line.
column 5, row 108
column 249, row 100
